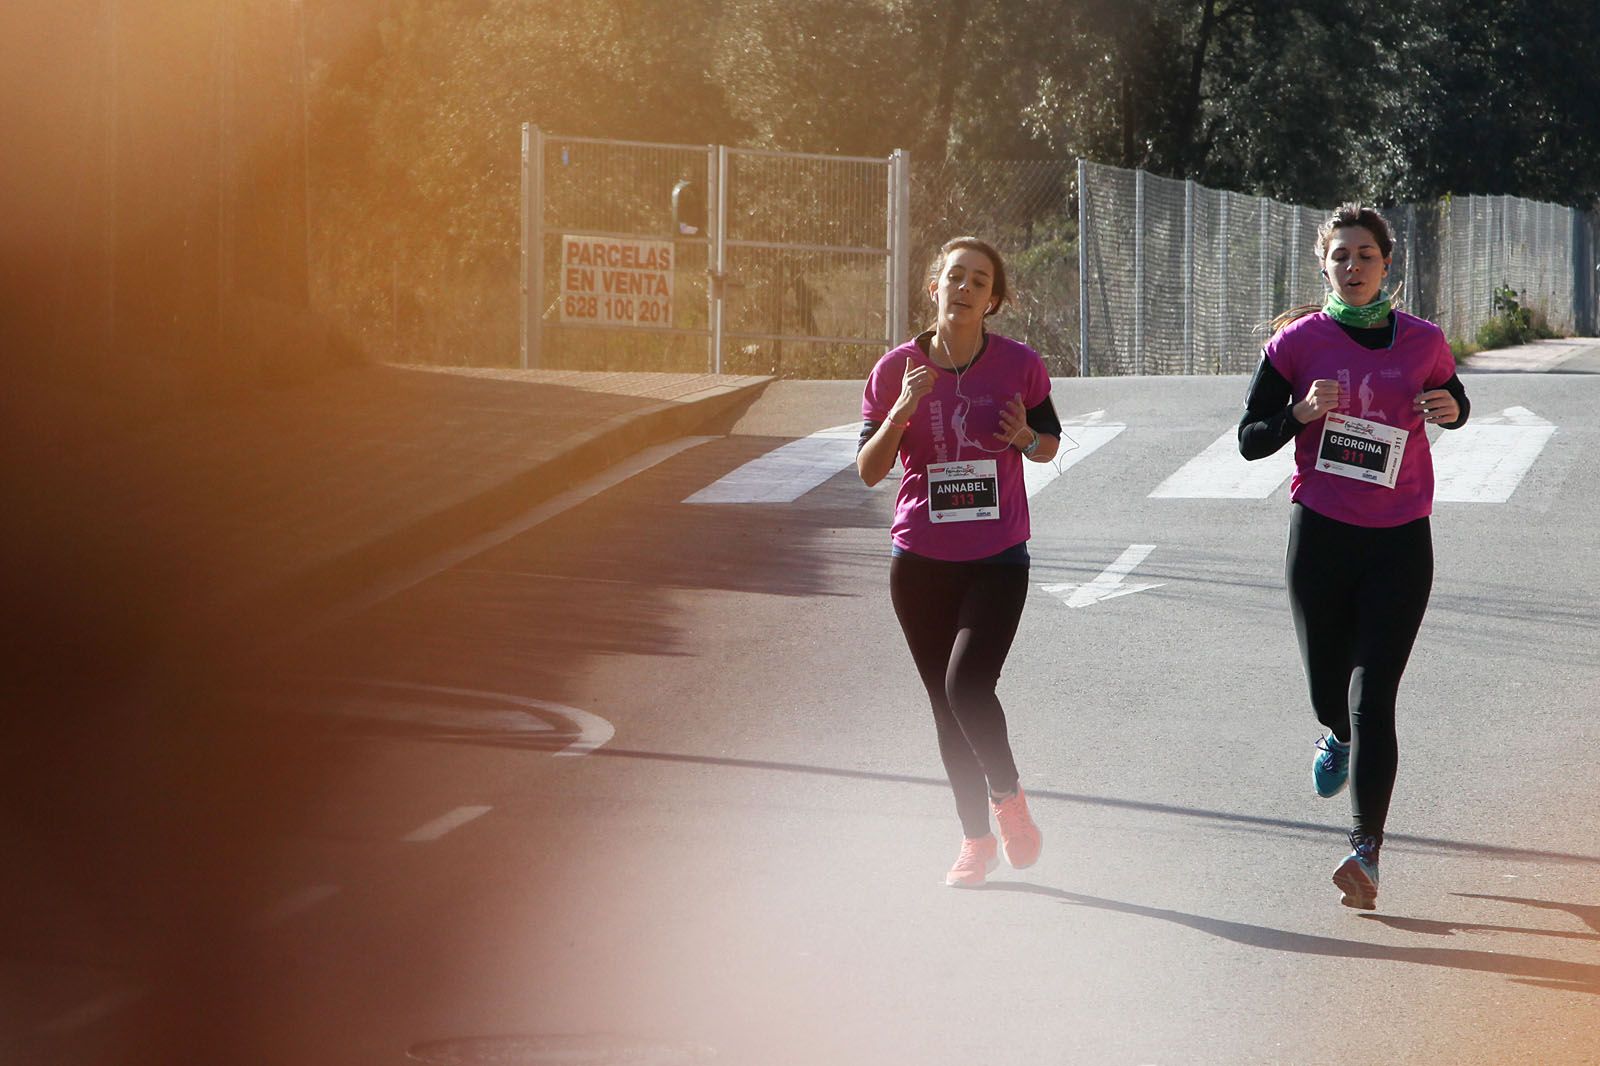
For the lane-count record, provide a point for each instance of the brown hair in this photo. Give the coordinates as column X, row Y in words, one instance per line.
column 1347, row 214
column 998, row 292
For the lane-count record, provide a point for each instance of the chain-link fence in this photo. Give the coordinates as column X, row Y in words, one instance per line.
column 783, row 265
column 1177, row 278
column 1027, row 210
column 806, row 256
column 1492, row 242
column 1182, row 279
column 619, row 190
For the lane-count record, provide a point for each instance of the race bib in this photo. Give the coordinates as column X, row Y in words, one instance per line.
column 1362, row 449
column 967, row 491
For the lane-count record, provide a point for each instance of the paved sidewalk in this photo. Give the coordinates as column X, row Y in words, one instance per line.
column 1574, row 355
column 243, row 515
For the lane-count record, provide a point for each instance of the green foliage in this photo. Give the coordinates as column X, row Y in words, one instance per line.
column 418, row 230
column 839, row 51
column 416, row 172
column 1512, row 322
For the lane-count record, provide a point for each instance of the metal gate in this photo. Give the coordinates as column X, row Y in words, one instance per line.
column 798, row 265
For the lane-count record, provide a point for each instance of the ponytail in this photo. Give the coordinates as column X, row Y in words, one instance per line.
column 1294, row 314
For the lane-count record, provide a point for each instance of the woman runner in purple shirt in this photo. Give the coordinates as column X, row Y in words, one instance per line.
column 962, row 408
column 1369, row 379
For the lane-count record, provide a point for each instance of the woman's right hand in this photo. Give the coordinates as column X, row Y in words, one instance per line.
column 877, row 456
column 1322, row 397
column 916, row 383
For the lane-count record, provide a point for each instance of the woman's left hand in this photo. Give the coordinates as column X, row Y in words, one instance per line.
column 1438, row 407
column 1014, row 429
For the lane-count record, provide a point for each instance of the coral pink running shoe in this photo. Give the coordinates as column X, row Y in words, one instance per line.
column 976, row 862
column 1020, row 839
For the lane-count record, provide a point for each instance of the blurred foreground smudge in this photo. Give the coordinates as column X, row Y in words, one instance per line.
column 137, row 802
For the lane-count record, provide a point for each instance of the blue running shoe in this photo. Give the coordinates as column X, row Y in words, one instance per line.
column 1357, row 876
column 1331, row 768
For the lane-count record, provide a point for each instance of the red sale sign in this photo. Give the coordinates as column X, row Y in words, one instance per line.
column 611, row 282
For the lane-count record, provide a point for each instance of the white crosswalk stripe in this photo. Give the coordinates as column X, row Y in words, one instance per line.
column 1080, row 438
column 1221, row 473
column 1485, row 460
column 789, row 472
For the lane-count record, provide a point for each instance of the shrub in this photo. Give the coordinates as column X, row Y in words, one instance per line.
column 1512, row 323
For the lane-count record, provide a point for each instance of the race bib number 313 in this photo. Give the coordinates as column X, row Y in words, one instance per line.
column 964, row 492
column 1361, row 449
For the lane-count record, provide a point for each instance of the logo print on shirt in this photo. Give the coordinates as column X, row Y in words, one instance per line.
column 1367, row 396
column 941, row 449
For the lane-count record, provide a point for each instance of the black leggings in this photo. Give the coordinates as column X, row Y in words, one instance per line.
column 959, row 620
column 1358, row 595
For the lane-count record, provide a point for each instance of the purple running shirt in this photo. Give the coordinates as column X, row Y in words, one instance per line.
column 957, row 422
column 1379, row 386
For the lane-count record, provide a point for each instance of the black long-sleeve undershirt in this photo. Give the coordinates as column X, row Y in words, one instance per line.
column 1269, row 422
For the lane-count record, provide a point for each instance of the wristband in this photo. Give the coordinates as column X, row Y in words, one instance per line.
column 898, row 425
column 1032, row 447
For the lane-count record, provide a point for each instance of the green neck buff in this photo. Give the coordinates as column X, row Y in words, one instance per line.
column 1364, row 317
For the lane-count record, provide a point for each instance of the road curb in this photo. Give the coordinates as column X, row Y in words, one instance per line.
column 240, row 622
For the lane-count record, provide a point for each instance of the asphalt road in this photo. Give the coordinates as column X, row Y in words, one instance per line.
column 654, row 782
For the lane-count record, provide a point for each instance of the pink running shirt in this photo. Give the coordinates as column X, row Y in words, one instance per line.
column 957, row 421
column 1379, row 385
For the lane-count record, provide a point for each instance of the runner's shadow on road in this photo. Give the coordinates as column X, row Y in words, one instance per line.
column 454, row 734
column 1588, row 915
column 1541, row 973
column 1435, row 927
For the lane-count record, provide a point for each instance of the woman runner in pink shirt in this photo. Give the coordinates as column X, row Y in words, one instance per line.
column 1369, row 380
column 962, row 408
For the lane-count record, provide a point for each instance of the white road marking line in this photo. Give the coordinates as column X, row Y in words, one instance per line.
column 1036, row 476
column 1109, row 584
column 592, row 730
column 1221, row 473
column 296, row 903
column 446, row 715
column 95, row 1010
column 445, row 823
column 1090, row 435
column 552, row 507
column 786, row 473
column 1485, row 460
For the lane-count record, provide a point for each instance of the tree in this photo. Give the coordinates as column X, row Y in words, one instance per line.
column 824, row 76
column 422, row 211
column 1296, row 99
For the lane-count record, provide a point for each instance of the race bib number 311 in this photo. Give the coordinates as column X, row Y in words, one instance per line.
column 1361, row 449
column 964, row 492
